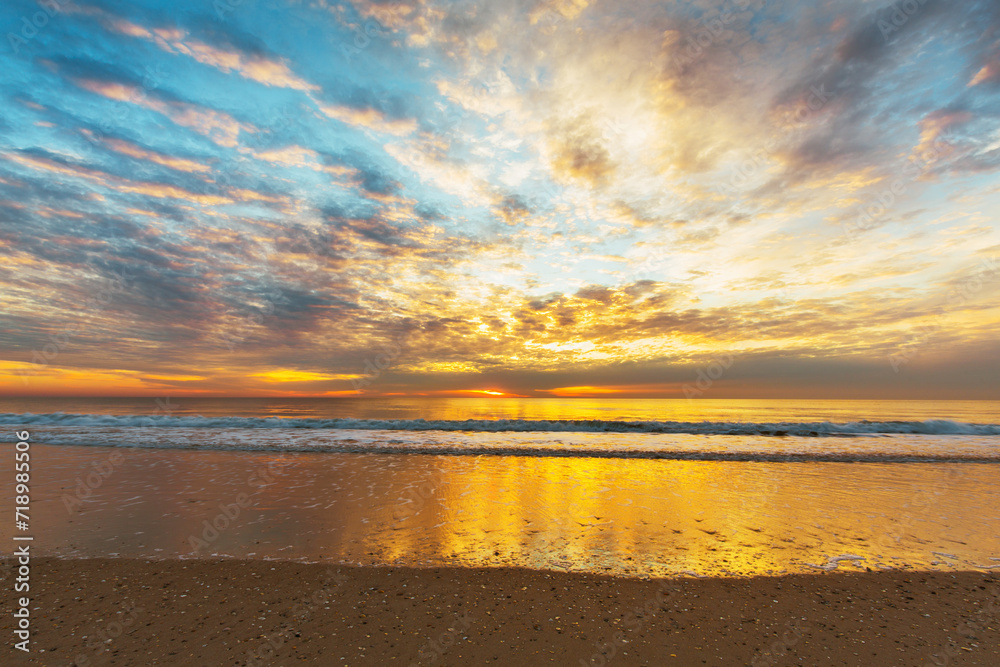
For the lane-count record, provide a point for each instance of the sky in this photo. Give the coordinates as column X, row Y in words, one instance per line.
column 528, row 198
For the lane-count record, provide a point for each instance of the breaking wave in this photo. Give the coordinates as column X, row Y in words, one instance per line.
column 814, row 429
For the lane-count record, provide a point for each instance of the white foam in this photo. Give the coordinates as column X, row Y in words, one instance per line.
column 822, row 428
column 649, row 445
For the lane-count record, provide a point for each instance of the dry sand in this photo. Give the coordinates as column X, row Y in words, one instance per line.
column 230, row 612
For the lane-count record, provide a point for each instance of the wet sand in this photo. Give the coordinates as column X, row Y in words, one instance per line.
column 229, row 612
column 604, row 516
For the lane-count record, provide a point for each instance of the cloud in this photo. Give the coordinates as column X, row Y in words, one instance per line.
column 115, row 183
column 540, row 198
column 250, row 66
column 218, row 126
column 369, row 118
column 990, row 73
column 291, row 156
column 140, row 153
column 248, row 59
column 578, row 152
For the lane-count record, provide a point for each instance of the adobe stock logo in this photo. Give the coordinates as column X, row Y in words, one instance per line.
column 31, row 26
column 707, row 376
column 900, row 15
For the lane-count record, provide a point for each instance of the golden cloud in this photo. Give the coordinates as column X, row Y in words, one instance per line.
column 254, row 67
column 116, row 183
column 372, row 119
column 169, row 161
column 218, row 126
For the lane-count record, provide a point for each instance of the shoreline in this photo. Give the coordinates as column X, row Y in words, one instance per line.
column 258, row 612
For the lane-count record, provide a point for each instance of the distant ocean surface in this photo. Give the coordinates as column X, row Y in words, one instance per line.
column 741, row 430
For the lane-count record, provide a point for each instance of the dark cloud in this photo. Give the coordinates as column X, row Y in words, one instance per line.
column 595, row 293
column 851, row 92
column 579, row 152
column 513, row 209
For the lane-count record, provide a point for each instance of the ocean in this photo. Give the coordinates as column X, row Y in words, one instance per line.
column 635, row 487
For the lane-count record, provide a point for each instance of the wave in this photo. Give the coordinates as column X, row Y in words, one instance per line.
column 777, row 429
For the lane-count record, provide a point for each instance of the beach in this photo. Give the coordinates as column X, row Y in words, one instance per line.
column 251, row 612
column 435, row 333
column 233, row 540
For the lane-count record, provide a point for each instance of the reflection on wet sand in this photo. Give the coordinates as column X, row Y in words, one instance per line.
column 599, row 515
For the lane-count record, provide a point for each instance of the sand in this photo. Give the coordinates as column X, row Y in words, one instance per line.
column 230, row 612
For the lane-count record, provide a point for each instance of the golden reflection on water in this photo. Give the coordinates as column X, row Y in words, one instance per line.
column 726, row 410
column 602, row 515
column 706, row 409
column 746, row 410
column 712, row 517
